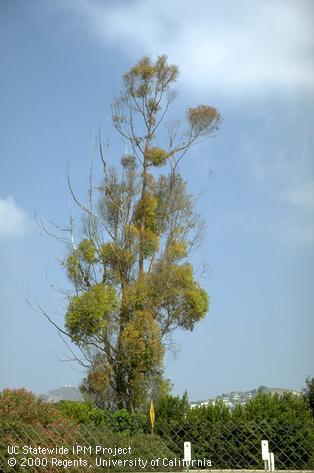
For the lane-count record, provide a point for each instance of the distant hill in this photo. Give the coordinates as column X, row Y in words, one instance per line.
column 65, row 393
column 234, row 398
column 231, row 399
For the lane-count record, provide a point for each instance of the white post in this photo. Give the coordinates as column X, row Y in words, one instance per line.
column 265, row 454
column 271, row 461
column 187, row 454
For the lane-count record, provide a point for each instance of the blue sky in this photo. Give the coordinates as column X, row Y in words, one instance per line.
column 62, row 63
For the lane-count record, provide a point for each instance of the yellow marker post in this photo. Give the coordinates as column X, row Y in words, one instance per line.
column 152, row 415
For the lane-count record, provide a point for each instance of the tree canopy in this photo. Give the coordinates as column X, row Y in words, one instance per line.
column 132, row 278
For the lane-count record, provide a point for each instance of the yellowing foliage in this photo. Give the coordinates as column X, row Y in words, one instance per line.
column 144, row 69
column 141, row 341
column 146, row 211
column 72, row 265
column 99, row 377
column 88, row 251
column 115, row 255
column 177, row 250
column 88, row 313
column 137, row 295
column 203, row 118
column 156, row 156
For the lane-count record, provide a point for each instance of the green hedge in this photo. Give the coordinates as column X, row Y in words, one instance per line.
column 118, row 421
column 232, row 439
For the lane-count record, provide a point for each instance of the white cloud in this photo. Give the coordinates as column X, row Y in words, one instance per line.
column 233, row 47
column 13, row 220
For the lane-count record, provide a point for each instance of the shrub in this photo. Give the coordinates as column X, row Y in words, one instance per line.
column 23, row 406
column 27, row 420
column 129, row 423
column 83, row 412
column 118, row 421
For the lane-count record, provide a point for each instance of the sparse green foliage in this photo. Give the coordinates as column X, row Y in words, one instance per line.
column 131, row 274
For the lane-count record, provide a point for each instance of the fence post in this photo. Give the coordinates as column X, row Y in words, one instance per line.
column 265, row 454
column 271, row 461
column 187, row 454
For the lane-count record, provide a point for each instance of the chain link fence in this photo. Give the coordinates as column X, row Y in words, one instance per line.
column 217, row 445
